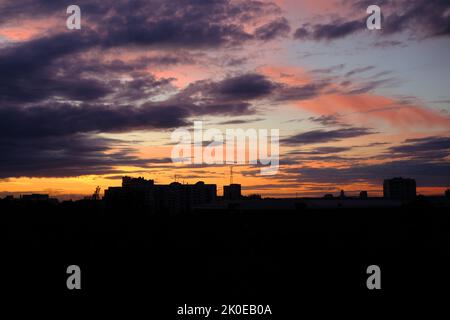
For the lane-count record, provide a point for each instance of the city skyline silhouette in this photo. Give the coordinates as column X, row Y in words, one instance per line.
column 82, row 107
column 164, row 156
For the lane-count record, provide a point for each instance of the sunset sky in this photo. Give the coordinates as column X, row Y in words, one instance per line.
column 81, row 108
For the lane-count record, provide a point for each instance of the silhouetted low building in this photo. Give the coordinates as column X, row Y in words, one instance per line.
column 399, row 189
column 135, row 194
column 35, row 197
column 363, row 195
column 232, row 192
column 144, row 195
column 183, row 197
column 140, row 182
column 447, row 193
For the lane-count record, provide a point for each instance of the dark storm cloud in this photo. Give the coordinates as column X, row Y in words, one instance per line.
column 77, row 65
column 62, row 156
column 327, row 120
column 230, row 96
column 174, row 32
column 296, row 93
column 170, row 59
column 142, row 86
column 35, row 54
column 247, row 86
column 274, row 29
column 188, row 24
column 372, row 144
column 57, row 94
column 323, row 136
column 59, row 140
column 27, row 73
column 421, row 18
column 334, row 30
column 423, row 148
column 37, row 89
column 423, row 144
column 28, row 68
column 320, row 151
column 56, row 97
column 23, row 9
column 64, row 120
column 38, row 76
column 51, row 67
column 59, row 119
column 359, row 70
column 349, row 161
column 175, row 23
column 425, row 159
column 49, row 120
column 241, row 121
column 233, row 91
column 226, row 108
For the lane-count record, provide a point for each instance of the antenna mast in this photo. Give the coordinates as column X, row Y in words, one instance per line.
column 231, row 175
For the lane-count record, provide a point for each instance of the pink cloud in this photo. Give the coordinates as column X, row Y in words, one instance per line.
column 380, row 108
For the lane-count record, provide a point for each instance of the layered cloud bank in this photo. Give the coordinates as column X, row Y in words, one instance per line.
column 102, row 101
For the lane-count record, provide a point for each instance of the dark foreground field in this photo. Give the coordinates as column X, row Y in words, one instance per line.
column 294, row 261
